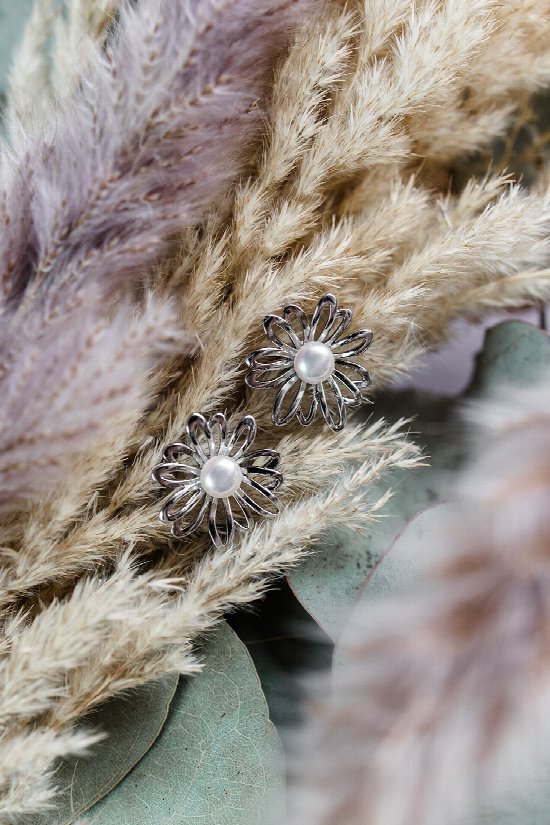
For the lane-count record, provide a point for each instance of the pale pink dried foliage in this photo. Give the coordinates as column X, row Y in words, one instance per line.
column 80, row 380
column 155, row 135
column 441, row 695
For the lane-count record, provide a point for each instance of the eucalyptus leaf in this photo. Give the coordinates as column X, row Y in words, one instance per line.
column 328, row 582
column 401, row 568
column 218, row 759
column 132, row 722
column 514, row 354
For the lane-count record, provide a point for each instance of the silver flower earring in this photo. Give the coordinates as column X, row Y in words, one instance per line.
column 311, row 363
column 212, row 471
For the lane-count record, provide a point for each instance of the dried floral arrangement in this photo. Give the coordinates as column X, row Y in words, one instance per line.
column 173, row 171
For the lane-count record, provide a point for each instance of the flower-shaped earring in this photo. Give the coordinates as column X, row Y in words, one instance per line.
column 306, row 358
column 213, row 472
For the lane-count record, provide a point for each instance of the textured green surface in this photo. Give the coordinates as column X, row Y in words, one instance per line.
column 328, row 582
column 218, row 760
column 133, row 722
column 515, row 353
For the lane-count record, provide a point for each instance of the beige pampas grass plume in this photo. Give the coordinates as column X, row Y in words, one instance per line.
column 441, row 695
column 330, row 205
column 403, row 259
column 132, row 627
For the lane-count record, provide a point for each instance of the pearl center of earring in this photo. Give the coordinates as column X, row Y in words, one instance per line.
column 314, row 362
column 221, row 476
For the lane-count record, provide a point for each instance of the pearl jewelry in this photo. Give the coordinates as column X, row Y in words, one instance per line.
column 314, row 362
column 204, row 475
column 221, row 476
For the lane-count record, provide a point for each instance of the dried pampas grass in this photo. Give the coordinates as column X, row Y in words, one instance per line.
column 47, row 65
column 336, row 198
column 403, row 264
column 441, row 694
column 78, row 386
column 130, row 628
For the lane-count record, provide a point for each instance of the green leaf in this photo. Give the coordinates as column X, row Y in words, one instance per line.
column 409, row 557
column 328, row 582
column 133, row 722
column 514, row 353
column 218, row 758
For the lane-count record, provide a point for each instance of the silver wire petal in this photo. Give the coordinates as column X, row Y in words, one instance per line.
column 246, row 427
column 174, row 451
column 240, row 514
column 255, row 359
column 223, row 538
column 311, row 415
column 272, row 456
column 181, row 530
column 273, row 479
column 362, row 379
column 355, row 398
column 335, row 423
column 292, row 311
column 255, row 381
column 197, row 425
column 293, row 343
column 253, row 504
column 218, row 429
column 167, row 474
column 363, row 338
column 341, row 321
column 280, row 418
column 329, row 303
column 167, row 514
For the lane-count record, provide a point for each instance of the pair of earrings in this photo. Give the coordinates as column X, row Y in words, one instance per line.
column 213, row 473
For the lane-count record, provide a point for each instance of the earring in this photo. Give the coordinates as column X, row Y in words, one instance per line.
column 213, row 472
column 311, row 363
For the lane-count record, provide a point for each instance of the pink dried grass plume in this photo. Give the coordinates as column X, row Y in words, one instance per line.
column 84, row 379
column 441, row 694
column 153, row 138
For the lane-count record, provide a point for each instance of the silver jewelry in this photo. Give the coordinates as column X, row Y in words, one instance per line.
column 311, row 362
column 213, row 472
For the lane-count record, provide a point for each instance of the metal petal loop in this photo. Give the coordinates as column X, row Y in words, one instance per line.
column 246, row 428
column 182, row 530
column 280, row 415
column 361, row 341
column 339, row 387
column 292, row 312
column 193, row 496
column 169, row 514
column 200, row 435
column 292, row 344
column 328, row 303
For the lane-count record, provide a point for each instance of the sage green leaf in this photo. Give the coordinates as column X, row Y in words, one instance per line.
column 514, row 353
column 218, row 759
column 328, row 582
column 132, row 722
column 411, row 555
column 401, row 568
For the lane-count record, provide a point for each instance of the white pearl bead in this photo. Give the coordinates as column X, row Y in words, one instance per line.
column 221, row 476
column 314, row 362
